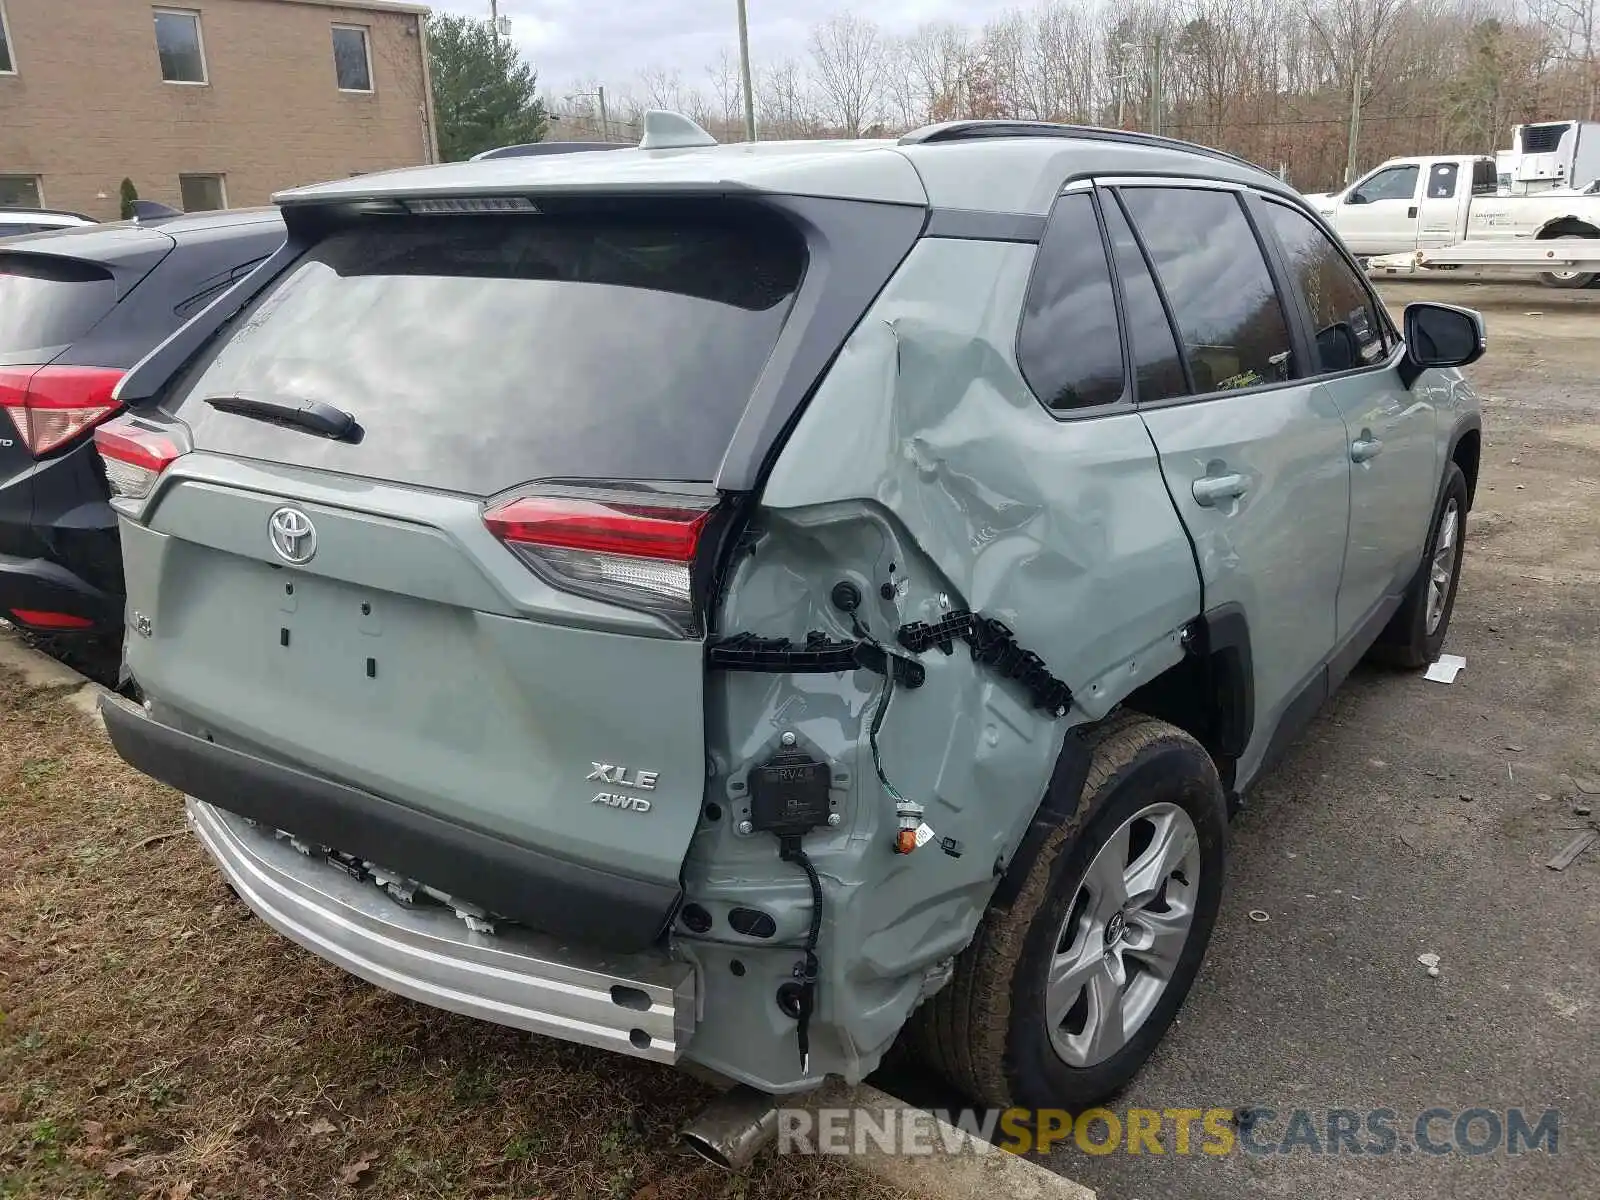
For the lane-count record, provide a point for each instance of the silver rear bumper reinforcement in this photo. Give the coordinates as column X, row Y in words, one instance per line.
column 641, row 1005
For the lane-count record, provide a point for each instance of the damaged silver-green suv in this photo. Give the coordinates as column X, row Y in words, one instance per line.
column 736, row 603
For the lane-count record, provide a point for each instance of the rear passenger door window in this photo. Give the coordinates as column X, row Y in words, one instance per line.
column 1216, row 280
column 1345, row 320
column 1068, row 347
column 1157, row 368
column 1442, row 181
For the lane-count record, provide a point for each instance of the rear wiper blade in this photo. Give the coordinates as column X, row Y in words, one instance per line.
column 313, row 416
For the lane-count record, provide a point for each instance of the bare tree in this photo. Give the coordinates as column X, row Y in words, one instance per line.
column 727, row 94
column 1354, row 37
column 1311, row 88
column 849, row 67
column 1574, row 28
column 784, row 105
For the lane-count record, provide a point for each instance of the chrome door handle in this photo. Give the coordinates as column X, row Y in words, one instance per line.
column 1208, row 489
column 1365, row 449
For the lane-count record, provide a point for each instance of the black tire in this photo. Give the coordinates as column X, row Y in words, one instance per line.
column 1577, row 279
column 986, row 1030
column 1570, row 279
column 1408, row 642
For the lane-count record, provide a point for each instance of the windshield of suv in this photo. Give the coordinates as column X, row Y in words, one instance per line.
column 479, row 352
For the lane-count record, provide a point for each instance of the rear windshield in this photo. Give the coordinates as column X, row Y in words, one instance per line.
column 479, row 352
column 47, row 303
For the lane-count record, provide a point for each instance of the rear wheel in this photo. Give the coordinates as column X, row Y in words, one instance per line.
column 1061, row 998
column 1571, row 279
column 1567, row 279
column 1416, row 634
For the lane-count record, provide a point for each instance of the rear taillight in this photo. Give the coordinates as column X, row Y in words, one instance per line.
column 634, row 547
column 134, row 456
column 52, row 405
column 36, row 618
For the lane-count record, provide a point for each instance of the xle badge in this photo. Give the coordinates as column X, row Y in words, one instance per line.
column 644, row 781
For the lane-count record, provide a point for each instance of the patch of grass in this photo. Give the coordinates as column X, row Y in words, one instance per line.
column 159, row 1040
column 36, row 771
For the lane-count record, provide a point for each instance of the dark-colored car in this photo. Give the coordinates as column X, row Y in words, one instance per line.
column 78, row 307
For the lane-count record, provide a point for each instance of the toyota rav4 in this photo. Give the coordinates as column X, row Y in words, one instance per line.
column 730, row 603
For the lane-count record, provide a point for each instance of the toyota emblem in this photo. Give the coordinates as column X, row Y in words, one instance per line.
column 294, row 537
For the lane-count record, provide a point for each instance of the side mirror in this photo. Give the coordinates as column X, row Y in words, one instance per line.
column 1440, row 335
column 1355, row 198
column 1337, row 348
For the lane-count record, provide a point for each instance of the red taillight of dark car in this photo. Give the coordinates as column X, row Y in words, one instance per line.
column 50, row 406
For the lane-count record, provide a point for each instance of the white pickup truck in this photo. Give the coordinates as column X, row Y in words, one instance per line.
column 1409, row 204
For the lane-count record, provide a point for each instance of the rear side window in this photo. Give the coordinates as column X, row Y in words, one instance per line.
column 1158, row 372
column 1442, row 181
column 1222, row 296
column 1349, row 329
column 479, row 352
column 48, row 303
column 1068, row 347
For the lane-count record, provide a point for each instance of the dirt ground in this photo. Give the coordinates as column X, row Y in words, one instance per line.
column 1417, row 818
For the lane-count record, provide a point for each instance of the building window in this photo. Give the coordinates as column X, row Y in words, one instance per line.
column 178, row 42
column 8, row 65
column 20, row 191
column 201, row 193
column 352, row 58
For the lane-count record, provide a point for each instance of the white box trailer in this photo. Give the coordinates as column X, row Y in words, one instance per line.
column 1553, row 155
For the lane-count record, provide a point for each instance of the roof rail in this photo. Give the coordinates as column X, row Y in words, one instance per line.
column 966, row 131
column 539, row 149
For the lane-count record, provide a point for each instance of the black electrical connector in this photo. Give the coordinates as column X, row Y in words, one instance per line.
column 788, row 799
column 993, row 645
column 817, row 655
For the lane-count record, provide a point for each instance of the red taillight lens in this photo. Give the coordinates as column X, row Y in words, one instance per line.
column 631, row 547
column 134, row 456
column 39, row 619
column 648, row 530
column 52, row 405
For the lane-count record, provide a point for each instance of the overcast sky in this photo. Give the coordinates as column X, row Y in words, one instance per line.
column 611, row 41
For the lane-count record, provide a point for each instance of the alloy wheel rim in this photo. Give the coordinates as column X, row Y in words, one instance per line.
column 1123, row 936
column 1442, row 568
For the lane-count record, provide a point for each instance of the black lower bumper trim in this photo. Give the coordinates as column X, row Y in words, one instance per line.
column 546, row 893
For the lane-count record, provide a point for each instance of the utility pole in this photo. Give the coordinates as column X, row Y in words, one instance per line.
column 1155, row 84
column 605, row 125
column 1355, row 118
column 744, row 75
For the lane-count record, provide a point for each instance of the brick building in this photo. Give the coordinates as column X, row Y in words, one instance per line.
column 205, row 103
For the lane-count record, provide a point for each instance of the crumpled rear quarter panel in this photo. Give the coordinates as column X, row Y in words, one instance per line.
column 923, row 467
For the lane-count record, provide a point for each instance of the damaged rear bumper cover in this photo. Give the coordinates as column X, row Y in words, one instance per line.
column 638, row 1005
column 568, row 900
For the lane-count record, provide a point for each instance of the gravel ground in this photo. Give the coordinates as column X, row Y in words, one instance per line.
column 1417, row 818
